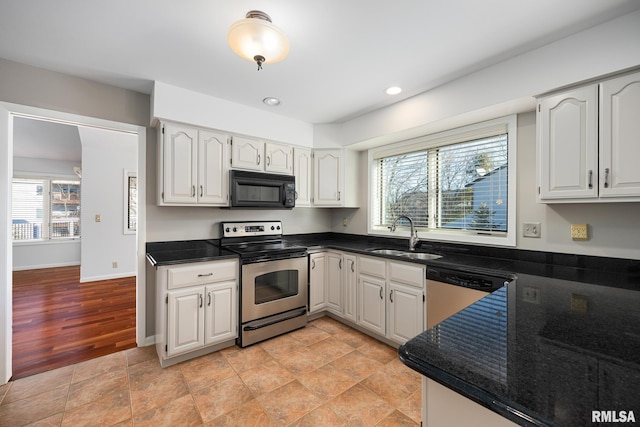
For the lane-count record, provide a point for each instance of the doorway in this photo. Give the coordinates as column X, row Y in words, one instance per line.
column 96, row 129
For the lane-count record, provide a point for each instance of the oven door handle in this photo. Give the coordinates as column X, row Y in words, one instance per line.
column 302, row 312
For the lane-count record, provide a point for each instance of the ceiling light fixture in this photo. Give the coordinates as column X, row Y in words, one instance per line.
column 393, row 90
column 257, row 40
column 271, row 101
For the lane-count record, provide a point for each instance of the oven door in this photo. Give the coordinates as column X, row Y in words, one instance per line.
column 272, row 287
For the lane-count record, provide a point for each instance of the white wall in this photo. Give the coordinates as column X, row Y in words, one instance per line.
column 505, row 88
column 105, row 156
column 613, row 226
column 182, row 105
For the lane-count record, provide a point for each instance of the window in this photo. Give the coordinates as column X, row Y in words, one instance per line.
column 45, row 209
column 131, row 202
column 454, row 186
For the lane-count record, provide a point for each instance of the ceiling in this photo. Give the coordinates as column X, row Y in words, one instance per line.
column 343, row 54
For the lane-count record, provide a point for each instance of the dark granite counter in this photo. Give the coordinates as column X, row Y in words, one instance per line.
column 180, row 252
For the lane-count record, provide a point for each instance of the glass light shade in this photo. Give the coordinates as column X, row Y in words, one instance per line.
column 251, row 36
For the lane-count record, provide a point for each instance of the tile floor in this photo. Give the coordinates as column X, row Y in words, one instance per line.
column 326, row 374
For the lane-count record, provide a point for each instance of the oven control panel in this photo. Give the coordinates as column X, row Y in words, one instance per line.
column 243, row 229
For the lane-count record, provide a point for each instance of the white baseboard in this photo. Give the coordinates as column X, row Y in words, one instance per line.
column 41, row 266
column 106, row 277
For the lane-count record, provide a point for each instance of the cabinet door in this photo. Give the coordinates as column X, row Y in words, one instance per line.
column 220, row 312
column 185, row 320
column 568, row 144
column 619, row 130
column 327, row 183
column 247, row 153
column 349, row 285
column 334, row 282
column 406, row 312
column 302, row 172
column 180, row 150
column 371, row 304
column 279, row 158
column 317, row 287
column 213, row 183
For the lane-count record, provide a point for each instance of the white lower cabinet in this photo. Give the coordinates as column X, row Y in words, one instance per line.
column 391, row 298
column 197, row 309
column 317, row 282
column 350, row 285
column 334, row 282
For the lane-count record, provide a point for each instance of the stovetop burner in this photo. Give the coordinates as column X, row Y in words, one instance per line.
column 257, row 240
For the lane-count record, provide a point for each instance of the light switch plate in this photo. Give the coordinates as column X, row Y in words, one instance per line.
column 579, row 232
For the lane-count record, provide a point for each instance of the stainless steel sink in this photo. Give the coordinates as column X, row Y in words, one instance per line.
column 408, row 254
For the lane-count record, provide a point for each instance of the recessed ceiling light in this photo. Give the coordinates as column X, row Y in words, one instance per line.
column 393, row 90
column 271, row 101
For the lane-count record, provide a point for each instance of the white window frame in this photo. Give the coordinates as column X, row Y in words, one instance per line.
column 466, row 133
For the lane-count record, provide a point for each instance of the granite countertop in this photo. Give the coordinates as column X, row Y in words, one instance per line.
column 558, row 342
column 185, row 251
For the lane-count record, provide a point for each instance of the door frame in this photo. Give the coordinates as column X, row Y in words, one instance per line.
column 7, row 112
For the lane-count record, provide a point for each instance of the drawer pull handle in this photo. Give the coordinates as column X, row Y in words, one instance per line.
column 205, row 275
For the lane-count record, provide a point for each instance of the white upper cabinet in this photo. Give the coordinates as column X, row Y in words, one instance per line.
column 257, row 155
column 247, row 153
column 587, row 143
column 568, row 132
column 279, row 158
column 620, row 137
column 302, row 172
column 334, row 184
column 192, row 166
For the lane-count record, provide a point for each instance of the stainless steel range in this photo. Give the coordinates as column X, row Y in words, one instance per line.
column 274, row 279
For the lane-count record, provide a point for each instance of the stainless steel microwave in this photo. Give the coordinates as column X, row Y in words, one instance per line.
column 262, row 190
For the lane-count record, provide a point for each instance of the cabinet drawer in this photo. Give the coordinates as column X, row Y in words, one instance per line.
column 409, row 274
column 195, row 274
column 372, row 266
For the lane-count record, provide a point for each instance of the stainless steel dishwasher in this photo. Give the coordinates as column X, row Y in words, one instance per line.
column 449, row 291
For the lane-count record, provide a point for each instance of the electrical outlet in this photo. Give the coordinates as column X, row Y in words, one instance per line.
column 531, row 229
column 531, row 295
column 344, row 221
column 98, row 218
column 114, row 264
column 579, row 232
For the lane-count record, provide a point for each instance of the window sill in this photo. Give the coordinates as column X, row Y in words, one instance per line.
column 40, row 242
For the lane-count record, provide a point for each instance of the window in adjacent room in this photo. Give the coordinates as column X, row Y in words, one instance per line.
column 458, row 185
column 131, row 202
column 45, row 209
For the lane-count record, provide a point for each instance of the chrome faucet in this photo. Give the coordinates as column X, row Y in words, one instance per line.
column 413, row 238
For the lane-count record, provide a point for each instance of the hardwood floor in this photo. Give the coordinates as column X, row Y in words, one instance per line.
column 58, row 321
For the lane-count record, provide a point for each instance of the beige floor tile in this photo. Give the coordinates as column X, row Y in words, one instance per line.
column 206, row 370
column 265, row 378
column 99, row 366
column 249, row 414
column 352, row 337
column 331, row 349
column 280, row 345
column 152, row 387
column 357, row 365
column 327, row 382
column 392, row 384
column 310, row 335
column 322, row 416
column 329, row 325
column 360, row 406
column 412, row 406
column 141, row 354
column 303, row 360
column 180, row 412
column 247, row 358
column 378, row 351
column 289, row 403
column 397, row 419
column 109, row 409
column 52, row 421
column 33, row 408
column 38, row 384
column 221, row 398
column 94, row 388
